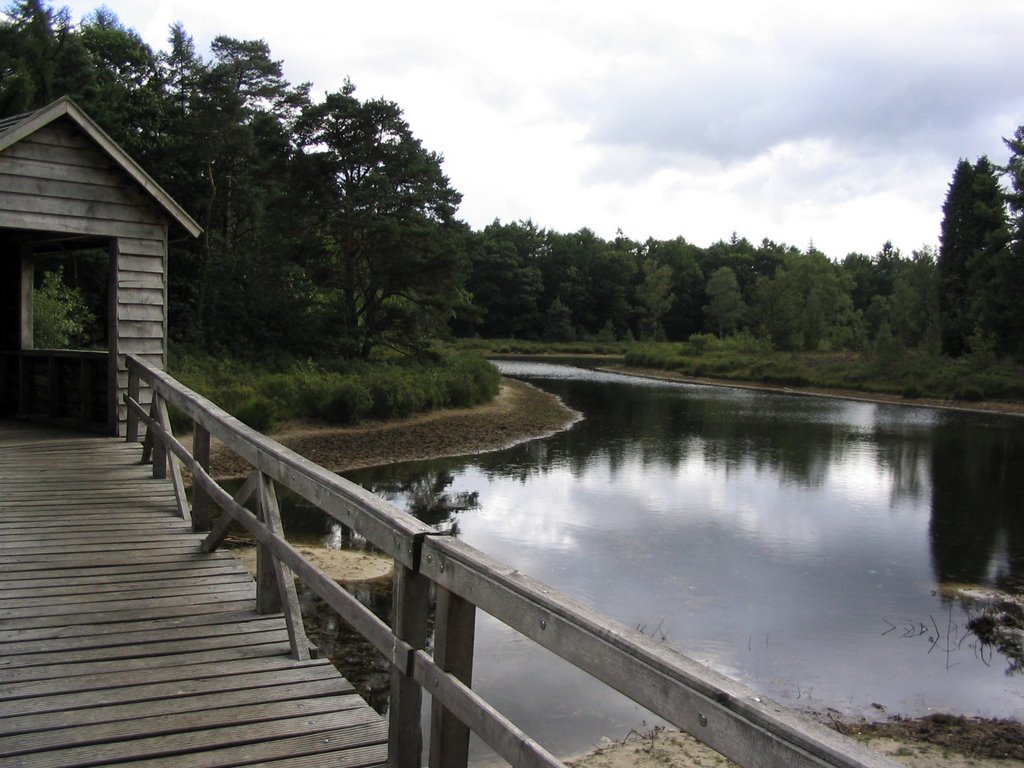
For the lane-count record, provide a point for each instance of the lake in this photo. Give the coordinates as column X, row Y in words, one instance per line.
column 802, row 545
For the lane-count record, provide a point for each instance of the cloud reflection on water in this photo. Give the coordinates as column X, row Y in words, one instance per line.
column 774, row 538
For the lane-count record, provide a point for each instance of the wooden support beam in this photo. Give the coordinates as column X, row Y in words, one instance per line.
column 200, row 498
column 287, row 598
column 158, row 448
column 454, row 636
column 411, row 613
column 131, row 434
column 27, row 289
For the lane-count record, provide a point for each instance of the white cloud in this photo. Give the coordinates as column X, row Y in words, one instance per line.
column 794, row 121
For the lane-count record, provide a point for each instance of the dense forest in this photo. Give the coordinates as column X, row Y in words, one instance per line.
column 330, row 230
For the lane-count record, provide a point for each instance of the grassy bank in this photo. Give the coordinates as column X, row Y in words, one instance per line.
column 266, row 394
column 888, row 371
column 908, row 374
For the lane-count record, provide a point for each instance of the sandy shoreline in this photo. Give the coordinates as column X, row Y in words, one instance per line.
column 519, row 413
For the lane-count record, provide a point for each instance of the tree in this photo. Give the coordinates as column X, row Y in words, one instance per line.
column 558, row 323
column 974, row 233
column 126, row 90
column 390, row 266
column 505, row 281
column 41, row 58
column 1007, row 315
column 685, row 317
column 725, row 309
column 654, row 298
column 807, row 305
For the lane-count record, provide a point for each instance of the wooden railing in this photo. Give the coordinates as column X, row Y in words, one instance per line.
column 56, row 384
column 734, row 720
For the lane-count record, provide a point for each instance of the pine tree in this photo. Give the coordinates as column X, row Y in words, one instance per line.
column 974, row 236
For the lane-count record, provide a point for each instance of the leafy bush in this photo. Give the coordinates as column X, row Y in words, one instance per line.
column 336, row 392
column 256, row 412
column 60, row 316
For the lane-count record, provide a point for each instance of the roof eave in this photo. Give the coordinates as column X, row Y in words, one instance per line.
column 65, row 106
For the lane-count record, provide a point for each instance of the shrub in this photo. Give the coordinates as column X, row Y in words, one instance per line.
column 348, row 402
column 702, row 342
column 969, row 393
column 256, row 412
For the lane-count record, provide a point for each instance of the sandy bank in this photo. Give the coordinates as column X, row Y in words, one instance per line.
column 520, row 412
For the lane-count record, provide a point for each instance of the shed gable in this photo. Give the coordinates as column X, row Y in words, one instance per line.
column 58, row 180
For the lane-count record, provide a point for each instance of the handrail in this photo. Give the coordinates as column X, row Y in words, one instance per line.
column 728, row 716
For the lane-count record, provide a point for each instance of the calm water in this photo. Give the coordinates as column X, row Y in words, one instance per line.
column 797, row 544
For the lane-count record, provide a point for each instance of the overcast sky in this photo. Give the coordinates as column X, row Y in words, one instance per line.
column 837, row 123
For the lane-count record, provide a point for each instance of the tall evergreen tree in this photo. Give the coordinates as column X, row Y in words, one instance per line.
column 390, row 264
column 973, row 235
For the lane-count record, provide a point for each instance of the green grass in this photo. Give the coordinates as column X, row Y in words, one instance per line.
column 910, row 374
column 335, row 392
column 267, row 394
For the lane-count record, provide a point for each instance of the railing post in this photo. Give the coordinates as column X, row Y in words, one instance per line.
column 131, row 434
column 268, row 593
column 25, row 371
column 85, row 389
column 200, row 499
column 273, row 577
column 53, row 388
column 159, row 449
column 411, row 612
column 454, row 635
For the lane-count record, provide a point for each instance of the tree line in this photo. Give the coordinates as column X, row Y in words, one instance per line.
column 329, row 229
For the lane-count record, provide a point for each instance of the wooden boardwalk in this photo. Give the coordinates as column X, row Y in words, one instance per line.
column 121, row 643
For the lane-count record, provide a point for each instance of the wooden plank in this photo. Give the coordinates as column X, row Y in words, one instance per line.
column 150, row 565
column 11, row 635
column 18, row 724
column 141, row 346
column 138, row 614
column 146, row 312
column 174, row 723
column 131, row 278
column 57, row 699
column 368, row 737
column 141, row 636
column 173, row 666
column 59, row 134
column 144, row 650
column 78, row 225
column 70, row 529
column 126, row 597
column 138, row 247
column 32, row 185
column 62, row 558
column 116, row 214
column 140, row 329
column 110, row 590
column 372, row 756
column 87, row 156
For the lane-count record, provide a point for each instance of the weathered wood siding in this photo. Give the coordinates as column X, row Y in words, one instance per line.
column 139, row 306
column 57, row 180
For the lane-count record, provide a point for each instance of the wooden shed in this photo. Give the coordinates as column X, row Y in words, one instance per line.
column 67, row 187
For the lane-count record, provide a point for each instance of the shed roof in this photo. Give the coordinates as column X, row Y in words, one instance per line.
column 14, row 129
